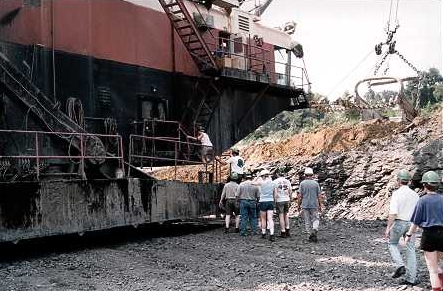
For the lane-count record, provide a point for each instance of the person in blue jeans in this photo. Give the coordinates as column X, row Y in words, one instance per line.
column 401, row 207
column 247, row 195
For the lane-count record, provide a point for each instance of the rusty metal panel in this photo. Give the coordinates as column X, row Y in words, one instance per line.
column 36, row 209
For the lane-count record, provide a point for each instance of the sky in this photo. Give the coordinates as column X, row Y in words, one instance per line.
column 337, row 35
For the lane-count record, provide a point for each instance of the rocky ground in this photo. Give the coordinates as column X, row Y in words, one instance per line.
column 356, row 165
column 350, row 255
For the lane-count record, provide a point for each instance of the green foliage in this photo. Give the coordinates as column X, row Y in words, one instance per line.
column 390, row 112
column 353, row 115
column 286, row 124
column 429, row 109
column 428, row 91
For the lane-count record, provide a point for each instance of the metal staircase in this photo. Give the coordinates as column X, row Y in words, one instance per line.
column 38, row 103
column 201, row 108
column 191, row 37
column 18, row 86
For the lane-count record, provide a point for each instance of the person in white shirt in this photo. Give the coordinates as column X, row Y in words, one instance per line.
column 283, row 194
column 206, row 151
column 401, row 207
column 236, row 163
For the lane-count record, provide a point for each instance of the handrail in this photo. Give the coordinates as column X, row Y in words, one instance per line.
column 213, row 164
column 257, row 60
column 81, row 156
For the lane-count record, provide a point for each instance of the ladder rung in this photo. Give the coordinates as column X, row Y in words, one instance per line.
column 176, row 11
column 196, row 49
column 192, row 41
column 171, row 5
column 183, row 27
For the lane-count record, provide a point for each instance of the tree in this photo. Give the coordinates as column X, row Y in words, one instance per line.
column 426, row 91
column 438, row 92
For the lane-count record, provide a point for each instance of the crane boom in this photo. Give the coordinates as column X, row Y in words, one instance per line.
column 261, row 9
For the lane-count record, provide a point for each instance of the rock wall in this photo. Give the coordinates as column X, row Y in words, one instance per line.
column 360, row 178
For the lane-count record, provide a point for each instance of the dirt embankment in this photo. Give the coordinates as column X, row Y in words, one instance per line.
column 324, row 140
column 301, row 146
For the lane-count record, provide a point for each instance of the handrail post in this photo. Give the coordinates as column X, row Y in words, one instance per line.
column 82, row 157
column 122, row 158
column 37, row 156
column 130, row 155
column 175, row 160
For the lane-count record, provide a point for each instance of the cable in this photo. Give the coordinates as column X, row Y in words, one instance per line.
column 347, row 75
column 74, row 108
column 389, row 19
column 396, row 13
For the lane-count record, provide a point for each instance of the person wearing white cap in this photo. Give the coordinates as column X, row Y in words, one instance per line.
column 309, row 202
column 266, row 204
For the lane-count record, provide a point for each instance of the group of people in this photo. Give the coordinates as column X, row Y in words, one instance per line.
column 407, row 212
column 256, row 198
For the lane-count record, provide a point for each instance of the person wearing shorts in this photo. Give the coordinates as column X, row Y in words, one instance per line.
column 230, row 203
column 206, row 150
column 266, row 205
column 428, row 214
column 283, row 200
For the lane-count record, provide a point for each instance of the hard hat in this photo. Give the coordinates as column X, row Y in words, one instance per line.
column 309, row 171
column 430, row 177
column 403, row 175
column 264, row 173
column 234, row 176
column 235, row 150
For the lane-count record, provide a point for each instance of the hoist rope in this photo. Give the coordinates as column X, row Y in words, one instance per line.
column 352, row 71
column 396, row 12
column 390, row 13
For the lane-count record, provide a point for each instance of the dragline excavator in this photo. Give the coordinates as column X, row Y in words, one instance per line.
column 409, row 112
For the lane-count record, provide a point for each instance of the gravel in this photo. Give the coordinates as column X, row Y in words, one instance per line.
column 350, row 255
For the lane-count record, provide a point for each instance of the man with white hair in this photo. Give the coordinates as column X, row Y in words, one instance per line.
column 309, row 203
column 401, row 207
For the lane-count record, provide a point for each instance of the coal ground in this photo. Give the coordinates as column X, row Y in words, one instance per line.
column 350, row 255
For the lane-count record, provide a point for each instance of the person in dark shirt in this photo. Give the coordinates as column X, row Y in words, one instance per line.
column 428, row 214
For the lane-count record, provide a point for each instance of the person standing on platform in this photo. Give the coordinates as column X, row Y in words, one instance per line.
column 206, row 150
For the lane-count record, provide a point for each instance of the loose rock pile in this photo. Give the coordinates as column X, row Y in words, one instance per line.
column 358, row 182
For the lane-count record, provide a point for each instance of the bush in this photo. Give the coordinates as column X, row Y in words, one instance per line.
column 429, row 109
